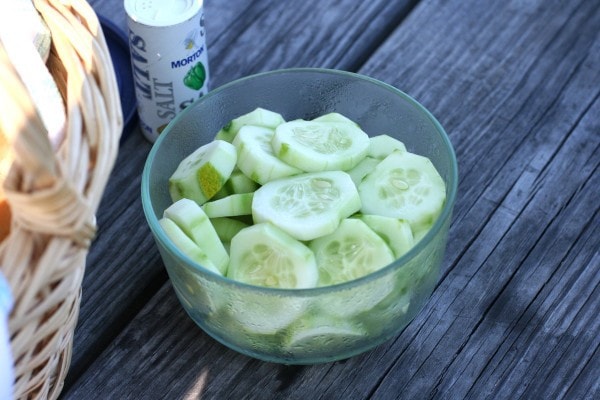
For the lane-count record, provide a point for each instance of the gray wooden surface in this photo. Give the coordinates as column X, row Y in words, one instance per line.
column 516, row 84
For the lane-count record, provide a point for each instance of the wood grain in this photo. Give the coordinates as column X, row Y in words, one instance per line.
column 515, row 314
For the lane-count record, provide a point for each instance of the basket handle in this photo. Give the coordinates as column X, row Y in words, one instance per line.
column 40, row 198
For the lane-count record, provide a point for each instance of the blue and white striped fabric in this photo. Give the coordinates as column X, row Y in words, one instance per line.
column 6, row 361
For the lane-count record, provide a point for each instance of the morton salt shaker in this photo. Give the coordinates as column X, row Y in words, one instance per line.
column 169, row 60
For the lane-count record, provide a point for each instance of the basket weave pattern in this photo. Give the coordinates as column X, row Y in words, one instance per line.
column 54, row 195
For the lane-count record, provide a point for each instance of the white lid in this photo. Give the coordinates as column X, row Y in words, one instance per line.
column 161, row 12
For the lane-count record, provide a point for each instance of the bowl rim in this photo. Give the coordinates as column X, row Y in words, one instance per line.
column 444, row 216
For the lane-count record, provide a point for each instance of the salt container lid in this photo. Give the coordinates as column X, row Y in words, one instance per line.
column 161, row 12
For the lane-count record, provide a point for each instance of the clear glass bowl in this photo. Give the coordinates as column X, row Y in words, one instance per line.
column 304, row 326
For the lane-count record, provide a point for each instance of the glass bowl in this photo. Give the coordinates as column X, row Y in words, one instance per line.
column 303, row 326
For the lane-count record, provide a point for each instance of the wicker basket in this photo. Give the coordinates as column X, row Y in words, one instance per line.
column 54, row 195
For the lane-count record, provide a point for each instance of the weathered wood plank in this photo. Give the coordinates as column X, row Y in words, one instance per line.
column 557, row 115
column 516, row 312
column 330, row 34
column 510, row 182
column 114, row 288
column 561, row 269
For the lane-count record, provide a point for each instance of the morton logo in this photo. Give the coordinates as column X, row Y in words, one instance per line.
column 187, row 60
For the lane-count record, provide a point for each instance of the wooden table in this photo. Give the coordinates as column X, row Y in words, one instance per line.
column 516, row 84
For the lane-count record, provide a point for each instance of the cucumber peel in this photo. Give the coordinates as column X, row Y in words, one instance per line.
column 257, row 117
column 382, row 146
column 203, row 173
column 255, row 156
column 320, row 146
column 192, row 220
column 187, row 245
column 229, row 206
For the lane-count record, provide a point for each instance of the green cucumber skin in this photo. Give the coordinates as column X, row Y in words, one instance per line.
column 257, row 117
column 320, row 146
column 383, row 145
column 192, row 220
column 202, row 174
column 283, row 151
column 256, row 158
column 227, row 228
column 234, row 205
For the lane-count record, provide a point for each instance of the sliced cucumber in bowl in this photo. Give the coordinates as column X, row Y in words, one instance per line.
column 320, row 146
column 320, row 336
column 404, row 185
column 264, row 255
column 255, row 313
column 256, row 158
column 309, row 205
column 203, row 173
column 352, row 251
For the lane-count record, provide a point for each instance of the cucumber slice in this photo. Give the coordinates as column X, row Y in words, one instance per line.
column 257, row 117
column 322, row 336
column 382, row 146
column 394, row 307
column 351, row 251
column 334, row 117
column 199, row 296
column 395, row 232
column 404, row 185
column 352, row 302
column 264, row 255
column 192, row 220
column 204, row 172
column 229, row 206
column 238, row 183
column 260, row 314
column 420, row 232
column 227, row 228
column 306, row 206
column 187, row 245
column 363, row 168
column 320, row 146
column 255, row 155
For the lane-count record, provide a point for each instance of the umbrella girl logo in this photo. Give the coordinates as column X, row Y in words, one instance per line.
column 196, row 75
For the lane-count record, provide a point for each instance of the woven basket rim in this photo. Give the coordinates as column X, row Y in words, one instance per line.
column 54, row 200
